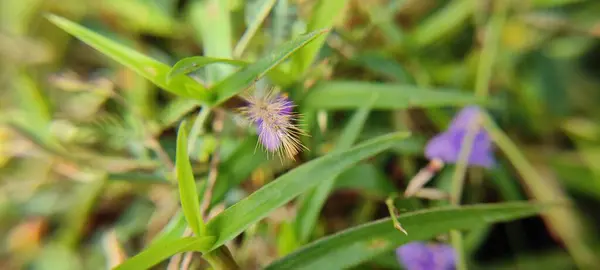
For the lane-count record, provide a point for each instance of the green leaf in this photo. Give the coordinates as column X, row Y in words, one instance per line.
column 325, row 13
column 211, row 20
column 240, row 80
column 187, row 185
column 191, row 64
column 156, row 253
column 362, row 243
column 367, row 179
column 244, row 160
column 143, row 65
column 444, row 21
column 259, row 204
column 566, row 223
column 311, row 204
column 334, row 95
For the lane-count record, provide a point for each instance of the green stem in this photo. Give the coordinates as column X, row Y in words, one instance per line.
column 221, row 259
column 490, row 48
column 393, row 213
column 251, row 31
column 484, row 74
column 197, row 128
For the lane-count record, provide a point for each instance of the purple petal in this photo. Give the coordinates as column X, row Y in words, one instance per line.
column 423, row 256
column 286, row 105
column 464, row 117
column 447, row 145
column 268, row 137
column 415, row 256
column 442, row 147
column 444, row 256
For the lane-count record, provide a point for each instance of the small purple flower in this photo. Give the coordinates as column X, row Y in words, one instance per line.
column 446, row 146
column 272, row 113
column 424, row 256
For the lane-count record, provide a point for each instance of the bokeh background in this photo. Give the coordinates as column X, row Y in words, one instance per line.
column 59, row 212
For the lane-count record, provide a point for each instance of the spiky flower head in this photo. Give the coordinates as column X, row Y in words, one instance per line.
column 275, row 122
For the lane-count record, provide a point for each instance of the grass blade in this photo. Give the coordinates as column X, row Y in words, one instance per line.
column 310, row 207
column 191, row 64
column 154, row 254
column 565, row 223
column 324, row 16
column 362, row 243
column 240, row 80
column 187, row 185
column 240, row 216
column 143, row 65
column 334, row 95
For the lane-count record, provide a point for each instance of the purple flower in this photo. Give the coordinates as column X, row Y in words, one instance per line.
column 446, row 146
column 272, row 113
column 424, row 256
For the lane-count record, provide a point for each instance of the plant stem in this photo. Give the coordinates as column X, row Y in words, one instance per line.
column 490, row 48
column 197, row 129
column 484, row 74
column 265, row 9
column 221, row 259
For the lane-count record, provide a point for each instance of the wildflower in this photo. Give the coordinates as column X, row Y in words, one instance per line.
column 447, row 145
column 274, row 118
column 425, row 256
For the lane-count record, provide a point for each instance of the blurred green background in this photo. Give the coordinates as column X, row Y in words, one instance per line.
column 87, row 145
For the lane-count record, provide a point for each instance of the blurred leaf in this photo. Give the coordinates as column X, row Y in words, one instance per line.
column 175, row 110
column 173, row 230
column 361, row 243
column 56, row 256
column 256, row 19
column 187, row 184
column 335, row 95
column 76, row 219
column 564, row 223
column 154, row 254
column 323, row 16
column 212, row 21
column 235, row 83
column 444, row 21
column 191, row 64
column 243, row 161
column 553, row 3
column 259, row 204
column 143, row 65
column 365, row 178
column 141, row 16
column 311, row 203
column 383, row 65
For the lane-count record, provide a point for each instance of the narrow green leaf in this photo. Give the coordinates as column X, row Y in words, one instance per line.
column 440, row 24
column 334, row 95
column 565, row 223
column 257, row 20
column 237, row 168
column 187, row 185
column 211, row 20
column 324, row 15
column 259, row 204
column 191, row 64
column 312, row 202
column 155, row 254
column 240, row 80
column 143, row 65
column 359, row 244
column 365, row 178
